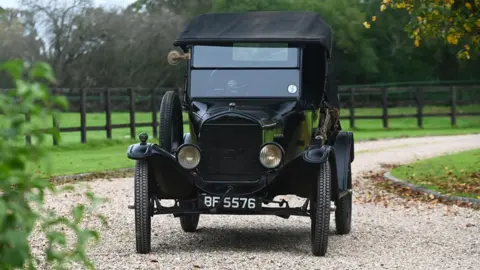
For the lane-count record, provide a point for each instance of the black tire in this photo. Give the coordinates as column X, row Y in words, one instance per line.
column 143, row 202
column 343, row 213
column 189, row 223
column 170, row 130
column 171, row 137
column 320, row 214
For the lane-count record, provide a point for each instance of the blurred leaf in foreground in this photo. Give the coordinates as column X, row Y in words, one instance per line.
column 22, row 191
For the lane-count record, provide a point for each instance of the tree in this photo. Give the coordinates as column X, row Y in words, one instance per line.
column 133, row 55
column 457, row 22
column 252, row 5
column 185, row 8
column 59, row 18
column 18, row 39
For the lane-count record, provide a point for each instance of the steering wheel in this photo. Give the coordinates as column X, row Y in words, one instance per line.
column 230, row 86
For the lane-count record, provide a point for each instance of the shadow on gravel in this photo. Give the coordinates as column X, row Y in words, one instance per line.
column 292, row 240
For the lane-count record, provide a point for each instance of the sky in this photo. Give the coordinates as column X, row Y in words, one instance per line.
column 122, row 3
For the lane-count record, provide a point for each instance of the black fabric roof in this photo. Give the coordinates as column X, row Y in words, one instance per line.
column 263, row 26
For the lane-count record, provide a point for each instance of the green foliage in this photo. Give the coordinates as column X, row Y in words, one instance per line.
column 457, row 22
column 22, row 193
column 185, row 8
column 400, row 61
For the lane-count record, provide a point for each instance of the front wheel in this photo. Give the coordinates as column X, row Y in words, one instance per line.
column 143, row 204
column 320, row 211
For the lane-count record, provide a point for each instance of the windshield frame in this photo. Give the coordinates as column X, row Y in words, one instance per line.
column 293, row 54
column 191, row 67
column 295, row 96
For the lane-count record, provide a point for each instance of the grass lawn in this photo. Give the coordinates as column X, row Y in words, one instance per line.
column 95, row 156
column 365, row 129
column 457, row 174
column 98, row 154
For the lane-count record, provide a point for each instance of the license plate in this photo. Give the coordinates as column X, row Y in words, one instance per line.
column 230, row 202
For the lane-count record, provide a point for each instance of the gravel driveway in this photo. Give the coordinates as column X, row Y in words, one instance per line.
column 417, row 236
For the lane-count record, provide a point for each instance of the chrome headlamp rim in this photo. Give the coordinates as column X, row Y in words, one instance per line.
column 282, row 151
column 179, row 149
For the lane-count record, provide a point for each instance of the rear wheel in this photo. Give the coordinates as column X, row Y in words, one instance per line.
column 343, row 212
column 320, row 211
column 143, row 205
column 189, row 223
column 170, row 130
column 171, row 137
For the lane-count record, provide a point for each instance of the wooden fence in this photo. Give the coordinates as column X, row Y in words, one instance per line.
column 348, row 98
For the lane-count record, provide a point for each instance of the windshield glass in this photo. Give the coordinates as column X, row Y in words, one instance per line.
column 245, row 55
column 244, row 83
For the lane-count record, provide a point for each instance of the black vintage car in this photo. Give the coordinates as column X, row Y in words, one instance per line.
column 263, row 114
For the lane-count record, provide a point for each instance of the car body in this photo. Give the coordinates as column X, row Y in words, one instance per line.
column 263, row 117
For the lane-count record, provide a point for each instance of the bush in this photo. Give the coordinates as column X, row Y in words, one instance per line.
column 22, row 193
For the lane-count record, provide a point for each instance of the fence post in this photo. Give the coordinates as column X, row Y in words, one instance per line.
column 154, row 113
column 454, row 106
column 28, row 137
column 419, row 97
column 83, row 115
column 55, row 124
column 108, row 113
column 385, row 107
column 352, row 107
column 132, row 112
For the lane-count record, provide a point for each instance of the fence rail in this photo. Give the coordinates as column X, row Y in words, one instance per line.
column 416, row 96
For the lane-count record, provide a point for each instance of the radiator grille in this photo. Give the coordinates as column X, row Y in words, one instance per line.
column 230, row 152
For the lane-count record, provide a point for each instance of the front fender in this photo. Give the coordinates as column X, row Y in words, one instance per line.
column 139, row 151
column 317, row 154
column 146, row 150
column 311, row 158
column 172, row 180
column 344, row 153
column 299, row 174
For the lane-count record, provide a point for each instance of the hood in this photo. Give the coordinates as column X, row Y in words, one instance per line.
column 266, row 113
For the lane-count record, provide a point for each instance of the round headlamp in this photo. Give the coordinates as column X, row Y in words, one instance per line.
column 188, row 156
column 271, row 155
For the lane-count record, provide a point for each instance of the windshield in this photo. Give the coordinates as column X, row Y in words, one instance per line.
column 245, row 55
column 244, row 83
